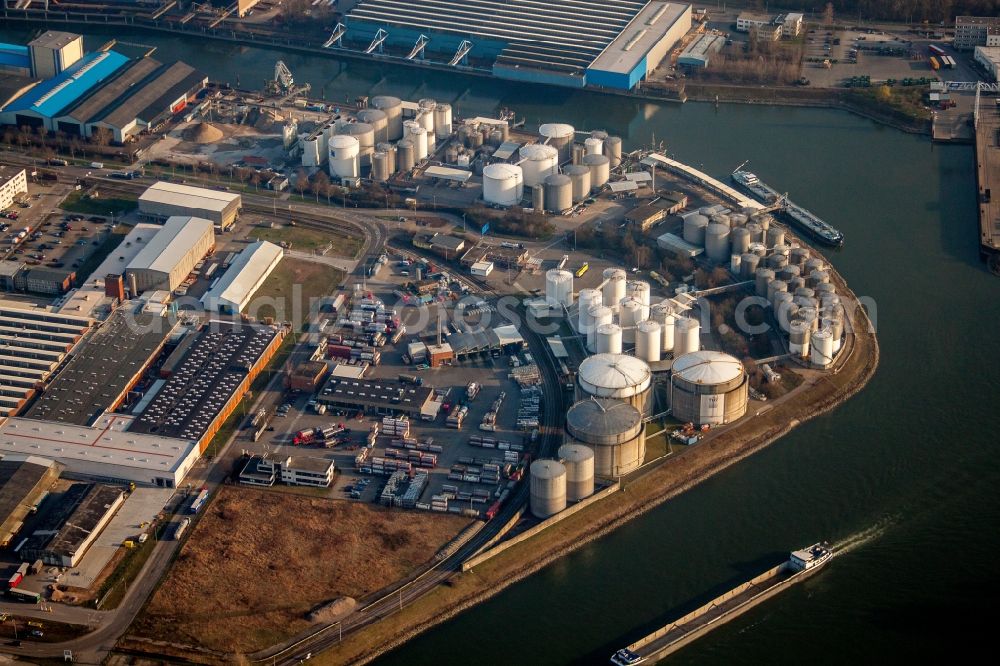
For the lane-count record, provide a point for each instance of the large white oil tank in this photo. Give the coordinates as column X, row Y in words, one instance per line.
column 406, row 154
column 717, row 242
column 708, row 387
column 663, row 314
column 418, row 134
column 639, row 290
column 822, row 347
column 618, row 376
column 442, row 120
column 630, row 314
column 558, row 193
column 593, row 146
column 648, row 341
column 548, row 488
column 579, row 462
column 344, row 162
column 687, row 336
column 608, row 339
column 393, row 108
column 579, row 175
column 586, row 299
column 614, row 287
column 379, row 121
column 613, row 149
column 559, row 287
column 503, row 184
column 559, row 136
column 799, row 333
column 365, row 134
column 538, row 161
column 600, row 170
column 694, row 229
column 599, row 316
column 613, row 429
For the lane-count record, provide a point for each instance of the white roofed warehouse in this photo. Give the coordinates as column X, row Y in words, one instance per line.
column 242, row 280
column 171, row 254
column 708, row 387
column 163, row 200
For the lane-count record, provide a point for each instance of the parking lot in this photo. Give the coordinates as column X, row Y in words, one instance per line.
column 854, row 53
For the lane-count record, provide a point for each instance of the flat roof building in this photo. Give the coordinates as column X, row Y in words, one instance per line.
column 973, row 31
column 699, row 52
column 170, row 255
column 989, row 59
column 162, row 200
column 375, row 396
column 12, row 183
column 86, row 511
column 24, row 481
column 53, row 52
column 243, row 278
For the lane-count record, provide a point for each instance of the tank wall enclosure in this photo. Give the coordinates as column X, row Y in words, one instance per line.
column 613, row 429
column 708, row 387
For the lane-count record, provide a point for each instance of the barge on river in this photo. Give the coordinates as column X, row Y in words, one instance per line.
column 799, row 216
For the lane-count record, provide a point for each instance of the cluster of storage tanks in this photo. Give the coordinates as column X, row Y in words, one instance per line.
column 536, row 173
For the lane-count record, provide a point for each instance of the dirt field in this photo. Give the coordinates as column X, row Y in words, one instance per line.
column 259, row 561
column 287, row 292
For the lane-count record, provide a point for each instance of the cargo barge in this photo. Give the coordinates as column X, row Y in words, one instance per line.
column 668, row 639
column 802, row 218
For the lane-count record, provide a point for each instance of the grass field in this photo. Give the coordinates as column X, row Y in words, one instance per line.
column 258, row 561
column 76, row 203
column 308, row 240
column 287, row 292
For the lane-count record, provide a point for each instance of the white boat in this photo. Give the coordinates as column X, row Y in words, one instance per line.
column 814, row 556
column 626, row 657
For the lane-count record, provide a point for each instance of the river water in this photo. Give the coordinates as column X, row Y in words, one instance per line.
column 905, row 475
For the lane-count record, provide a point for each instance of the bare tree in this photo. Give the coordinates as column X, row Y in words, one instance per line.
column 301, row 182
column 101, row 136
column 321, row 185
column 828, row 15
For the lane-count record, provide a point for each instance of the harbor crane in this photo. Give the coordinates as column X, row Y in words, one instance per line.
column 283, row 76
column 461, row 53
column 418, row 48
column 336, row 36
column 377, row 42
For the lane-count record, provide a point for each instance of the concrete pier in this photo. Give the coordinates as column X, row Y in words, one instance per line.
column 988, row 180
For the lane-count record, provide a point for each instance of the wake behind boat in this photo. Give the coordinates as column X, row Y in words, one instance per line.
column 802, row 218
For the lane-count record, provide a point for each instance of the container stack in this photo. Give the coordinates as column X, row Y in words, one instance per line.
column 457, row 417
column 396, row 426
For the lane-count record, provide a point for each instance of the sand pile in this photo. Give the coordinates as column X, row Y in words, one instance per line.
column 337, row 609
column 203, row 133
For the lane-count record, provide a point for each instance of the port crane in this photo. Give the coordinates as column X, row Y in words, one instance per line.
column 463, row 50
column 336, row 36
column 377, row 43
column 418, row 48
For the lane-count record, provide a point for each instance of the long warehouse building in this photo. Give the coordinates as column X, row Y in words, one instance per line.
column 572, row 43
column 163, row 200
column 170, row 255
column 242, row 280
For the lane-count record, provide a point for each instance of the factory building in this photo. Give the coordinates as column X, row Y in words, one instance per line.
column 53, row 52
column 208, row 381
column 65, row 534
column 375, row 396
column 106, row 451
column 52, row 281
column 264, row 472
column 24, row 482
column 163, row 200
column 973, row 31
column 585, row 42
column 708, row 387
column 12, row 185
column 988, row 58
column 15, row 61
column 699, row 52
column 170, row 254
column 243, row 278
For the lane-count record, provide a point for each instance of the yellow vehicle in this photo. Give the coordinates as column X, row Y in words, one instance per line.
column 582, row 269
column 32, row 623
column 128, row 543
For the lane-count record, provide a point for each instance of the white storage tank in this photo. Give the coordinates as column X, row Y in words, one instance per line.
column 613, row 149
column 503, row 184
column 614, row 287
column 558, row 193
column 406, row 154
column 708, row 387
column 599, row 316
column 379, row 122
column 618, row 376
column 717, row 242
column 365, row 134
column 593, row 146
column 608, row 339
column 639, row 290
column 344, row 161
column 663, row 314
column 734, row 263
column 822, row 348
column 442, row 121
column 538, row 161
column 799, row 333
column 393, row 108
column 613, row 429
column 600, row 170
column 579, row 463
column 631, row 313
column 694, row 229
column 586, row 299
column 559, row 287
column 558, row 136
column 687, row 336
column 418, row 135
column 548, row 488
column 579, row 175
column 648, row 341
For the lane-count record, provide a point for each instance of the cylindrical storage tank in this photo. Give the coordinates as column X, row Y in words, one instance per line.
column 586, row 299
column 390, row 153
column 734, row 263
column 379, row 122
column 756, row 232
column 503, row 184
column 837, row 329
column 578, row 152
column 817, row 278
column 717, row 242
column 548, row 488
column 406, row 154
column 618, row 376
column 805, row 292
column 663, row 314
column 380, row 167
column 825, row 289
column 560, row 137
column 418, row 135
column 538, row 161
column 344, row 161
column 558, row 193
column 798, row 256
column 784, row 249
column 738, row 220
column 761, row 278
column 694, row 229
column 496, row 137
column 759, row 249
column 613, row 429
column 821, row 353
column 442, row 121
column 708, row 387
column 789, row 272
column 600, row 169
column 599, row 134
column 614, row 287
column 795, row 283
column 830, row 301
column 608, row 339
column 393, row 108
column 427, row 106
column 599, row 316
column 579, row 463
column 774, row 287
column 648, row 341
column 721, row 218
column 740, row 239
column 765, row 224
column 613, row 149
column 559, row 287
column 594, row 146
column 639, row 290
column 365, row 134
column 813, row 264
column 631, row 313
column 783, row 304
column 538, row 197
column 579, row 175
column 748, row 265
column 687, row 336
column 809, row 315
column 775, row 236
column 799, row 332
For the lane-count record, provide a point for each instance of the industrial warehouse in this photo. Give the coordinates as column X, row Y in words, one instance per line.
column 170, row 254
column 164, row 200
column 243, row 278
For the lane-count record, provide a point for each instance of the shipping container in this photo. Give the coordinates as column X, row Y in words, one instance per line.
column 198, row 501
